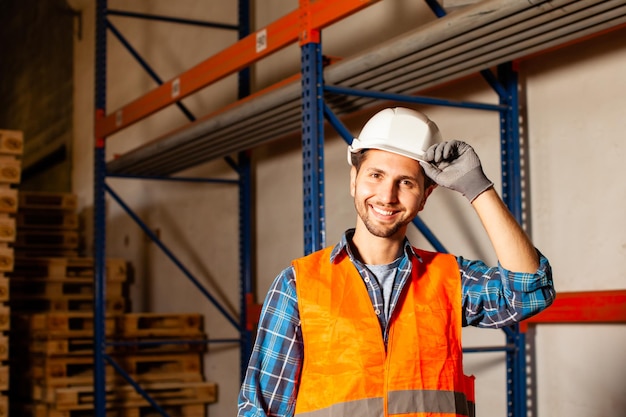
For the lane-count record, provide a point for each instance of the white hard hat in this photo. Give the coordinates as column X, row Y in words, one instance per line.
column 399, row 130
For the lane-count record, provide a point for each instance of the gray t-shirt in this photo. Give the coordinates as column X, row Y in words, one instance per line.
column 386, row 276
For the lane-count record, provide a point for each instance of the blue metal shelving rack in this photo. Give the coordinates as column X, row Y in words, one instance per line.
column 101, row 189
column 314, row 110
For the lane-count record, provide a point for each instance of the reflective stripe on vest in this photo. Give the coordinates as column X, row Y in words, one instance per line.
column 346, row 369
column 400, row 402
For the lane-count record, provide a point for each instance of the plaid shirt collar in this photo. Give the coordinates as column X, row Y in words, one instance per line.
column 343, row 248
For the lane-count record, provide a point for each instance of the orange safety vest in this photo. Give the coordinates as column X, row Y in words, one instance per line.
column 348, row 372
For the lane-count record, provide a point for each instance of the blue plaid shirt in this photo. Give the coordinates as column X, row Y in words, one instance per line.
column 492, row 298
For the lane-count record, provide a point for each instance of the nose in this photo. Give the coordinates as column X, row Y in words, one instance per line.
column 388, row 192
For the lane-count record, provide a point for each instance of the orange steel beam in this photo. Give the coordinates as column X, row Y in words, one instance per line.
column 246, row 51
column 584, row 307
column 308, row 32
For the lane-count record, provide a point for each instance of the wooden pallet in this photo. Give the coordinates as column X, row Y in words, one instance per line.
column 10, row 169
column 51, row 252
column 45, row 219
column 64, row 371
column 5, row 318
column 44, row 410
column 35, row 239
column 4, row 288
column 7, row 259
column 167, row 393
column 45, row 392
column 60, row 325
column 7, row 229
column 172, row 367
column 11, row 143
column 60, row 288
column 63, row 267
column 162, row 345
column 70, row 346
column 67, row 304
column 48, row 200
column 4, row 378
column 138, row 325
column 4, row 405
column 78, row 370
column 183, row 410
column 81, row 346
column 8, row 200
column 4, row 347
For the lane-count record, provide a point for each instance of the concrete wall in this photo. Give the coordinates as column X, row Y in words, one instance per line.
column 36, row 82
column 575, row 99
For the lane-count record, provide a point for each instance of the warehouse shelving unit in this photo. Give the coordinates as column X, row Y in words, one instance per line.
column 490, row 35
column 581, row 308
column 241, row 167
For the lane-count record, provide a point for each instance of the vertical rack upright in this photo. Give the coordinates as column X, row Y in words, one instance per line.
column 241, row 166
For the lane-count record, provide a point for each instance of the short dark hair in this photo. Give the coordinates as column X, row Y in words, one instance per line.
column 357, row 159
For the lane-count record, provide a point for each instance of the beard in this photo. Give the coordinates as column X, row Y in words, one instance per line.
column 377, row 228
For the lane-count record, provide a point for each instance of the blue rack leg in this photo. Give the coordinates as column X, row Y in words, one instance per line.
column 99, row 217
column 246, row 251
column 512, row 196
column 313, row 147
column 246, row 239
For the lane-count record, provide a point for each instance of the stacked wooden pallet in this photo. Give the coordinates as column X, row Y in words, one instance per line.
column 47, row 225
column 65, row 285
column 48, row 314
column 11, row 147
column 52, row 304
column 161, row 352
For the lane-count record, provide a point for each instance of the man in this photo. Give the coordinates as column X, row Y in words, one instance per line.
column 372, row 327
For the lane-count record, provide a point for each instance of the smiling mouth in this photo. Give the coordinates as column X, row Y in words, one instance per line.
column 382, row 211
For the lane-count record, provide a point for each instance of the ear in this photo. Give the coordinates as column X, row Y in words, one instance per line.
column 352, row 181
column 427, row 192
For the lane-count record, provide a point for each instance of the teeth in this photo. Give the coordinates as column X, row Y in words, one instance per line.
column 383, row 212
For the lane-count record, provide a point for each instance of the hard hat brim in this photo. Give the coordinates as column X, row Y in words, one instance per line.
column 357, row 146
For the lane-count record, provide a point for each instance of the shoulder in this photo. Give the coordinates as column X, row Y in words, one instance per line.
column 314, row 258
column 429, row 256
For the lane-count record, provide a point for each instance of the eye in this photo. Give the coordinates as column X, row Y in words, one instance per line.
column 407, row 183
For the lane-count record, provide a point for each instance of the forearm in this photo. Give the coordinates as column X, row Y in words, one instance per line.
column 270, row 385
column 513, row 248
column 494, row 297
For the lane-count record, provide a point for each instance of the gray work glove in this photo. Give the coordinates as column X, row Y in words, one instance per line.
column 456, row 166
